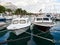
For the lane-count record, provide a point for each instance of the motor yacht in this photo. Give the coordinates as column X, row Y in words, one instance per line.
column 43, row 23
column 19, row 25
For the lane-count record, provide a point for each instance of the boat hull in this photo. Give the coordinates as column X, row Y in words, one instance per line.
column 57, row 19
column 20, row 31
column 2, row 20
column 2, row 25
column 42, row 28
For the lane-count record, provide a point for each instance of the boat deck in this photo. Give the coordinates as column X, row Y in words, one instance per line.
column 47, row 24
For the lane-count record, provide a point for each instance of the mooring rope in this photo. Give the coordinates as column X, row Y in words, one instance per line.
column 40, row 37
column 53, row 41
column 13, row 40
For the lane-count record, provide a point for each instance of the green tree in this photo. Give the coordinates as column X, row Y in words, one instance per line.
column 24, row 12
column 18, row 11
column 9, row 11
column 2, row 9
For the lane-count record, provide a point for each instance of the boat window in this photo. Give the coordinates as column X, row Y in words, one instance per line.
column 39, row 19
column 15, row 21
column 22, row 21
column 45, row 18
column 48, row 15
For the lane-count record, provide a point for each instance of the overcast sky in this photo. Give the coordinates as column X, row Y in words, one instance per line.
column 32, row 5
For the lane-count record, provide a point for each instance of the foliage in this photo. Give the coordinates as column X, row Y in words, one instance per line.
column 2, row 9
column 8, row 10
column 19, row 11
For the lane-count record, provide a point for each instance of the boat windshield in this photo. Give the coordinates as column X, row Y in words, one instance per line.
column 45, row 18
column 38, row 19
column 22, row 21
column 15, row 21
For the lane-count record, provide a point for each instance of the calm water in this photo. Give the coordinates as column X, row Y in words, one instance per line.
column 32, row 40
column 56, row 33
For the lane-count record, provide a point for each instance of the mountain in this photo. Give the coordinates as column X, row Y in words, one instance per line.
column 8, row 5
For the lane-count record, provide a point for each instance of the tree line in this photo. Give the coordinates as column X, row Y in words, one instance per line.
column 18, row 11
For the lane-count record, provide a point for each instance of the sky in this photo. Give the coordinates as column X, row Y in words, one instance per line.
column 36, row 5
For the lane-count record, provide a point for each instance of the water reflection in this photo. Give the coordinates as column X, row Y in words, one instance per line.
column 55, row 32
column 41, row 41
column 33, row 40
column 5, row 37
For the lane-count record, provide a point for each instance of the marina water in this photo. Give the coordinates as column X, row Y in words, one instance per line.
column 31, row 39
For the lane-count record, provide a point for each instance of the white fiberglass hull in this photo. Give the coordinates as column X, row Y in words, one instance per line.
column 2, row 25
column 20, row 31
column 43, row 26
column 46, row 24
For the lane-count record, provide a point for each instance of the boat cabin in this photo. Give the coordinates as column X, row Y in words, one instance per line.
column 42, row 19
column 20, row 21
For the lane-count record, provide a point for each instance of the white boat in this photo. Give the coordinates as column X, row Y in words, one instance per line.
column 2, row 25
column 8, row 17
column 2, row 18
column 43, row 23
column 2, row 21
column 19, row 25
